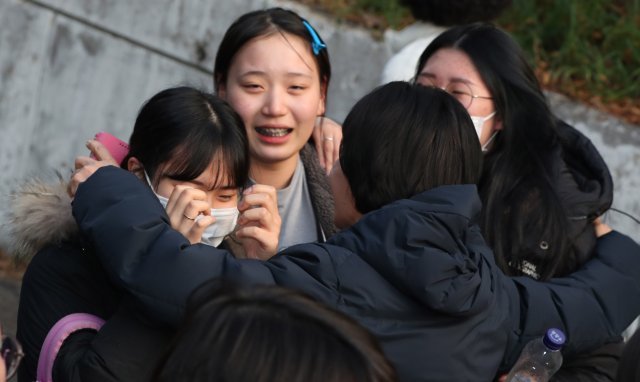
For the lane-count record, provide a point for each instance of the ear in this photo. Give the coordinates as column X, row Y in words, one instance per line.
column 498, row 125
column 222, row 91
column 323, row 98
column 134, row 166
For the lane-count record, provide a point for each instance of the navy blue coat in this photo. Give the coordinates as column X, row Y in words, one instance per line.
column 416, row 273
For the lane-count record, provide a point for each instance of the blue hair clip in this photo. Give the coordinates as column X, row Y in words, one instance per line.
column 317, row 45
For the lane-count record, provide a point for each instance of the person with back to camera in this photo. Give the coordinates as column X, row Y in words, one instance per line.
column 184, row 142
column 269, row 333
column 543, row 183
column 410, row 264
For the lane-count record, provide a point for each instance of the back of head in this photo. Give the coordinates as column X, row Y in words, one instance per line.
column 181, row 130
column 269, row 333
column 263, row 23
column 403, row 139
column 447, row 12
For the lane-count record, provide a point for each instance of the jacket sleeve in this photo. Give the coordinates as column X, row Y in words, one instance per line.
column 592, row 305
column 140, row 251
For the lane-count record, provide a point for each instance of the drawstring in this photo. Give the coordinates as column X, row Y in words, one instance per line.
column 635, row 219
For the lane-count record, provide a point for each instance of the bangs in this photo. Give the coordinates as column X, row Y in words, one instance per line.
column 229, row 168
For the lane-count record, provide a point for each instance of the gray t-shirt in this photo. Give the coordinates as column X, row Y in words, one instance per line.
column 296, row 211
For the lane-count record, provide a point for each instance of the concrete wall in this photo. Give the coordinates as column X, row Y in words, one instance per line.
column 71, row 68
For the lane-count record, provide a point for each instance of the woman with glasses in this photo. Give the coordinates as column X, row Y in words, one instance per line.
column 11, row 354
column 543, row 183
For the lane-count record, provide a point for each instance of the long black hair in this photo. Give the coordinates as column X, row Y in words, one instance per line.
column 180, row 131
column 516, row 184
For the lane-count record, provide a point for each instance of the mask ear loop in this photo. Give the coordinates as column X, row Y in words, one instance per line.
column 146, row 176
column 486, row 145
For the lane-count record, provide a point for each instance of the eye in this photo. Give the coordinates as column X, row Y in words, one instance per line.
column 458, row 91
column 227, row 196
column 251, row 86
column 297, row 88
column 426, row 80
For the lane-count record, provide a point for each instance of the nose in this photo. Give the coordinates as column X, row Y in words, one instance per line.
column 275, row 103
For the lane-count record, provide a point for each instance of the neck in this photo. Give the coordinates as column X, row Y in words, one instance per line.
column 277, row 175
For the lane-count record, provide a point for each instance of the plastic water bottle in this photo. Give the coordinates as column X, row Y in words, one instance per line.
column 540, row 358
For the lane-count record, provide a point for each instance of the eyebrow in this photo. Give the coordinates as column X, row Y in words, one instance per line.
column 263, row 74
column 211, row 188
column 454, row 79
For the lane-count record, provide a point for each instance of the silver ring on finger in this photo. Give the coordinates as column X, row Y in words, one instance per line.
column 187, row 217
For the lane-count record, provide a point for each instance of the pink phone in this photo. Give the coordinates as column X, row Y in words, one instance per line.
column 117, row 148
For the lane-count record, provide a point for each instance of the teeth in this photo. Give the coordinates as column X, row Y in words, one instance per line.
column 270, row 132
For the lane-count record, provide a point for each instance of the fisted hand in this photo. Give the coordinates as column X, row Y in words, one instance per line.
column 86, row 166
column 258, row 226
column 259, row 222
column 184, row 205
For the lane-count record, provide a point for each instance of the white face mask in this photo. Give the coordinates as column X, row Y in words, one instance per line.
column 478, row 124
column 226, row 219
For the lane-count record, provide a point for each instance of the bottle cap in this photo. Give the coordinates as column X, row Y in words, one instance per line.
column 554, row 339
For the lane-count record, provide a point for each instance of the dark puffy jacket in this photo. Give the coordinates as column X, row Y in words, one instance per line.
column 416, row 273
column 584, row 187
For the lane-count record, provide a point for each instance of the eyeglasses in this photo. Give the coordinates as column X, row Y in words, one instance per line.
column 11, row 352
column 458, row 89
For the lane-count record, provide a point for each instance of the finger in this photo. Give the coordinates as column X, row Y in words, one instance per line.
column 182, row 195
column 262, row 218
column 329, row 154
column 72, row 187
column 266, row 241
column 82, row 161
column 190, row 210
column 259, row 195
column 100, row 152
column 332, row 129
column 255, row 216
column 318, row 141
column 264, row 211
column 337, row 141
column 192, row 230
column 78, row 177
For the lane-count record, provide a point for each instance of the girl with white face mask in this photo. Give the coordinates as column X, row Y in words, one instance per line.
column 190, row 147
column 543, row 184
